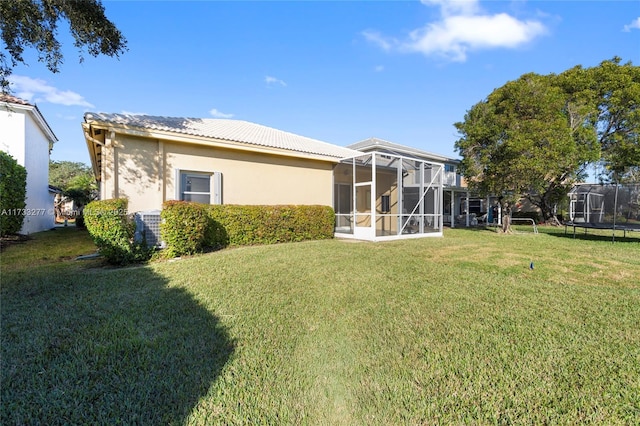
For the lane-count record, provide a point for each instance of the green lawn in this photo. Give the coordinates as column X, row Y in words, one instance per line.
column 430, row 331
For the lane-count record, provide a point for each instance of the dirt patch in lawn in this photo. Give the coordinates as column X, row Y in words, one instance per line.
column 12, row 239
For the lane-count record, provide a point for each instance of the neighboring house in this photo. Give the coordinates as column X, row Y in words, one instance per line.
column 64, row 207
column 26, row 136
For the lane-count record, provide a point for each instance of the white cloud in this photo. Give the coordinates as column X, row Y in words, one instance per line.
column 456, row 35
column 385, row 43
column 274, row 81
column 218, row 114
column 635, row 24
column 462, row 28
column 37, row 90
column 378, row 68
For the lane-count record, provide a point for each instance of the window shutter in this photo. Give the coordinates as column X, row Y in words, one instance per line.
column 177, row 184
column 216, row 186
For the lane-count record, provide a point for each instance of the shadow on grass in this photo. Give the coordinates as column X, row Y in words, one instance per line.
column 593, row 234
column 105, row 347
column 477, row 228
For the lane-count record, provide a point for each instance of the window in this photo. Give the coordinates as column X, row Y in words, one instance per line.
column 199, row 187
column 342, row 199
column 449, row 168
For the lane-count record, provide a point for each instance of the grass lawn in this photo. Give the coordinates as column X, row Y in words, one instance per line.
column 429, row 331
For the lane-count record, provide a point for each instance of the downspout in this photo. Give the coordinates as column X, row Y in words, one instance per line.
column 161, row 172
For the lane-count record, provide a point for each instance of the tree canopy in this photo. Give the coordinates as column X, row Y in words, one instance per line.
column 75, row 179
column 34, row 24
column 63, row 173
column 618, row 97
column 535, row 137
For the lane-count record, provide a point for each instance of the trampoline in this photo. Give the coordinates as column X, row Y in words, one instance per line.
column 605, row 207
column 628, row 228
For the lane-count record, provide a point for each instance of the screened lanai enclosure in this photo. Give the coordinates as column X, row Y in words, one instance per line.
column 379, row 196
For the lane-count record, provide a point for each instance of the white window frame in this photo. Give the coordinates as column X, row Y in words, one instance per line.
column 215, row 184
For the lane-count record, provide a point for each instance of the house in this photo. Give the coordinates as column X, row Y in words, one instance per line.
column 378, row 189
column 26, row 136
column 150, row 160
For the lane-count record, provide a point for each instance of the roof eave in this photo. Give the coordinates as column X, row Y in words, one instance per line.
column 377, row 144
column 207, row 141
column 93, row 150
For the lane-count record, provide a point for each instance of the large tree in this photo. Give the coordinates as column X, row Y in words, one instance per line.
column 34, row 24
column 535, row 137
column 617, row 89
column 63, row 173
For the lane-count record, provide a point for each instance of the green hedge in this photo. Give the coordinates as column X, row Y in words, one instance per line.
column 188, row 227
column 13, row 193
column 246, row 225
column 113, row 231
column 183, row 227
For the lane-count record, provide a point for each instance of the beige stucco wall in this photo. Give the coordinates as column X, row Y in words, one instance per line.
column 146, row 174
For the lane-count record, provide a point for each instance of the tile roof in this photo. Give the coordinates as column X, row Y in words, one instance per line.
column 22, row 104
column 225, row 129
column 5, row 97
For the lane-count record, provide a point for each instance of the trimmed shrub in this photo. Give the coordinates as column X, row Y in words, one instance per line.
column 184, row 227
column 112, row 231
column 13, row 194
column 246, row 225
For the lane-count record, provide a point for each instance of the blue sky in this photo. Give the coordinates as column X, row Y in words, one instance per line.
column 340, row 72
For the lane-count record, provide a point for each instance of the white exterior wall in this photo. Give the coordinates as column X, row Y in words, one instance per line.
column 22, row 138
column 37, row 165
column 12, row 133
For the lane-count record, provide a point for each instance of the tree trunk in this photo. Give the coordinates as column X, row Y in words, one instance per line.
column 506, row 219
column 506, row 224
column 547, row 209
column 548, row 215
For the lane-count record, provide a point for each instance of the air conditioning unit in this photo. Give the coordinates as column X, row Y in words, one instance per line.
column 148, row 228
